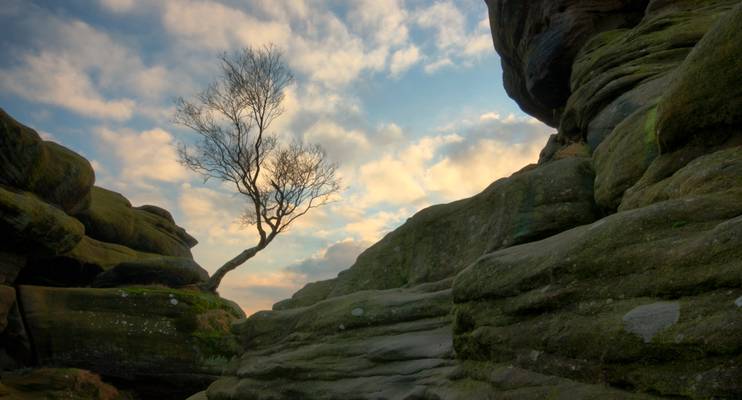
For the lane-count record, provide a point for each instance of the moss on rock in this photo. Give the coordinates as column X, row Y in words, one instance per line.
column 568, row 305
column 111, row 218
column 719, row 171
column 705, row 97
column 52, row 172
column 620, row 160
column 441, row 240
column 177, row 337
column 30, row 225
column 615, row 62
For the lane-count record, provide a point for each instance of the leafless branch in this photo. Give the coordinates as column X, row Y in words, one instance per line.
column 232, row 117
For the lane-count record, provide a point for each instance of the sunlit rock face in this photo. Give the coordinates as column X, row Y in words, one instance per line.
column 610, row 270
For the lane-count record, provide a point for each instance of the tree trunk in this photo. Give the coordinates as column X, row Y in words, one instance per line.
column 213, row 283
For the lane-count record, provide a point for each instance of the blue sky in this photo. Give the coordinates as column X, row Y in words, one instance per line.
column 405, row 95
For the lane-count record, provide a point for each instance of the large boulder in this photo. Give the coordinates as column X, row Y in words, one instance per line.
column 56, row 174
column 111, row 218
column 29, row 225
column 101, row 264
column 538, row 41
column 616, row 62
column 167, row 342
column 169, row 271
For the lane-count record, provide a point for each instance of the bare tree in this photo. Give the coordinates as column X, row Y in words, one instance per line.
column 232, row 117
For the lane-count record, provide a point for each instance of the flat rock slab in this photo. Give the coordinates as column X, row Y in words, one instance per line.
column 647, row 320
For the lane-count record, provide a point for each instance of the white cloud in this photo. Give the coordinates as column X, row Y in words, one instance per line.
column 454, row 42
column 383, row 20
column 52, row 79
column 388, row 134
column 389, row 181
column 151, row 82
column 329, row 261
column 476, row 167
column 480, row 44
column 144, row 156
column 73, row 65
column 331, row 54
column 397, row 179
column 371, row 228
column 448, row 22
column 341, row 145
column 284, row 10
column 213, row 214
column 490, row 116
column 403, row 59
column 118, row 6
column 212, row 25
column 437, row 65
column 450, row 165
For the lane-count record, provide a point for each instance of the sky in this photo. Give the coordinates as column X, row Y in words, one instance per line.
column 406, row 95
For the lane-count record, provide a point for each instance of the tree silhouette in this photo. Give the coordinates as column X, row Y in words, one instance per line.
column 232, row 116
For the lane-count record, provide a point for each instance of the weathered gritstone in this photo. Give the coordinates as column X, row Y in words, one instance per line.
column 643, row 303
column 524, row 291
column 29, row 225
column 169, row 342
column 621, row 76
column 54, row 173
column 538, row 40
column 643, row 299
column 166, row 341
column 391, row 344
column 439, row 241
column 111, row 218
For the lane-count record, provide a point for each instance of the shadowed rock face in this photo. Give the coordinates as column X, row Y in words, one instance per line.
column 538, row 41
column 56, row 383
column 54, row 173
column 175, row 341
column 88, row 281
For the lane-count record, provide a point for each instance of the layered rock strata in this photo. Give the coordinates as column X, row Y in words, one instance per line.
column 88, row 281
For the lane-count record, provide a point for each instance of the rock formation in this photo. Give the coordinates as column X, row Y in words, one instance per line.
column 611, row 269
column 88, row 281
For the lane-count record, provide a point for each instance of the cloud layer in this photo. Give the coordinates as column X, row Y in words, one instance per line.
column 100, row 75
